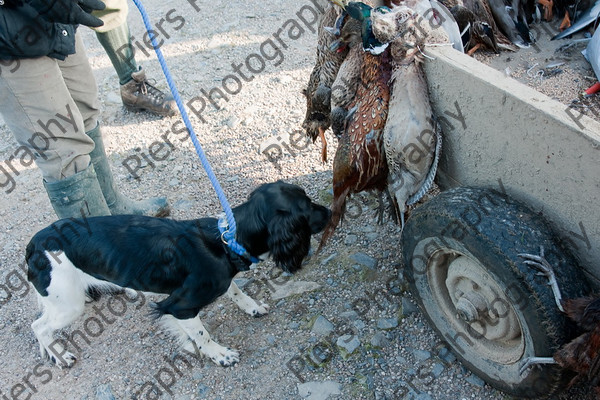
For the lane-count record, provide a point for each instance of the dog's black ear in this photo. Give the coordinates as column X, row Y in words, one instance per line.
column 289, row 240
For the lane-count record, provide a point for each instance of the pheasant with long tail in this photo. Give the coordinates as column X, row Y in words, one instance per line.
column 391, row 142
column 359, row 163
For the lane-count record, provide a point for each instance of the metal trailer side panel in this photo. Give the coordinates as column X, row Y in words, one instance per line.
column 502, row 134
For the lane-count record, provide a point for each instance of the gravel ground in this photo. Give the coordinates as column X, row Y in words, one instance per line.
column 344, row 327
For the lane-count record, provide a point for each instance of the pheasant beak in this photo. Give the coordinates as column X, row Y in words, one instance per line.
column 341, row 3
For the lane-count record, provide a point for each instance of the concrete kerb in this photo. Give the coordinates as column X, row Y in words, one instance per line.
column 530, row 142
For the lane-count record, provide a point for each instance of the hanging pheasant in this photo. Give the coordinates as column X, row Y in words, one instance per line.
column 412, row 139
column 335, row 36
column 359, row 163
column 318, row 91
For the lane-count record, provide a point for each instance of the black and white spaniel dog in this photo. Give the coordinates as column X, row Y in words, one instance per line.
column 74, row 259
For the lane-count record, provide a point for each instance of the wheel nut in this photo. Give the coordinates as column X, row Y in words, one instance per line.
column 466, row 310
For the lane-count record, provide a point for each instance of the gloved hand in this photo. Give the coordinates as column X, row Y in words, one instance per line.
column 69, row 11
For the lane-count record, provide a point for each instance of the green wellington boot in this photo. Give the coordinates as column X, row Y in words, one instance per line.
column 77, row 196
column 117, row 203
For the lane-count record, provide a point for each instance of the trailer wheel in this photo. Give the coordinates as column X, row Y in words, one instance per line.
column 461, row 258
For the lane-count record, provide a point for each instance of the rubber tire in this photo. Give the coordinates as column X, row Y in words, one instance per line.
column 493, row 229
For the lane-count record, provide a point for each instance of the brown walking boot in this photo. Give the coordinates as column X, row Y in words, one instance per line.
column 138, row 94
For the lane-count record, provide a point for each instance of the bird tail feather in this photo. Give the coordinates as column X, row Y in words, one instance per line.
column 338, row 208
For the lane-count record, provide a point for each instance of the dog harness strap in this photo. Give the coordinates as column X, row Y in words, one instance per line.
column 233, row 244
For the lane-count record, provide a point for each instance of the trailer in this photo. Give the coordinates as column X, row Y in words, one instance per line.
column 519, row 174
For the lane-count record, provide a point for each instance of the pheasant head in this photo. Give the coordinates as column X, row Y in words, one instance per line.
column 363, row 12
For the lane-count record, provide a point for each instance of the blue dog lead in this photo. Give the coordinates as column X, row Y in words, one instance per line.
column 227, row 230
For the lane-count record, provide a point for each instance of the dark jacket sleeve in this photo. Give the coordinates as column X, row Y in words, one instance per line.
column 24, row 34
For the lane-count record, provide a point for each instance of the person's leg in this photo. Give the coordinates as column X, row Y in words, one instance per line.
column 48, row 125
column 136, row 91
column 80, row 83
column 78, row 77
column 118, row 47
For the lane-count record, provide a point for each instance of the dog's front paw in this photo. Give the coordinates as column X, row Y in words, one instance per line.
column 225, row 357
column 260, row 310
column 65, row 360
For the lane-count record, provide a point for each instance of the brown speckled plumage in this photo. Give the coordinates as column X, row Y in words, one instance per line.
column 411, row 139
column 360, row 163
column 321, row 87
column 318, row 91
column 582, row 354
column 346, row 83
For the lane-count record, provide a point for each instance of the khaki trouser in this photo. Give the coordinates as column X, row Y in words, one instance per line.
column 114, row 15
column 49, row 105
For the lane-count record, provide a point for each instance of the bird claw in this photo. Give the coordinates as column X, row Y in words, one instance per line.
column 529, row 362
column 524, row 365
column 339, row 22
column 539, row 263
column 336, row 29
column 402, row 220
column 351, row 113
column 545, row 269
column 335, row 45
